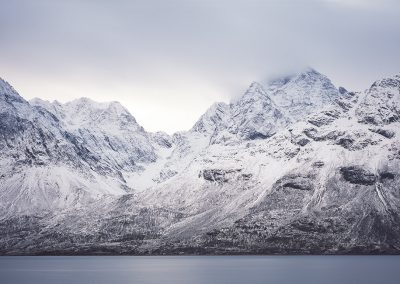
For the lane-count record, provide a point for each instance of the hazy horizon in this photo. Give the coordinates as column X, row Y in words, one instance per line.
column 167, row 62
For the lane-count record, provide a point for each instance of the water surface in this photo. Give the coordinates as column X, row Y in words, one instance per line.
column 200, row 269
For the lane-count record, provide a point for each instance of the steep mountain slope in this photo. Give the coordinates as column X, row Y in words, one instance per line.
column 255, row 115
column 254, row 176
column 252, row 116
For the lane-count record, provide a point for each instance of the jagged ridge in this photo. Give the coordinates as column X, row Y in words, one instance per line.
column 296, row 166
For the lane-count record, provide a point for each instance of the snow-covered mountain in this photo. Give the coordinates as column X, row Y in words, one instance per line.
column 381, row 105
column 252, row 116
column 106, row 129
column 264, row 110
column 300, row 94
column 43, row 166
column 295, row 165
column 56, row 156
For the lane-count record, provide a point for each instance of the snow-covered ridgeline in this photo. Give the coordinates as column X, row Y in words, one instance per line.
column 293, row 161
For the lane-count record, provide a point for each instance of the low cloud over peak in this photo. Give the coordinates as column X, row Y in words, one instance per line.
column 168, row 61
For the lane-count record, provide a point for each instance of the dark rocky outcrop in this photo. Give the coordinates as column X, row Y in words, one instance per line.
column 386, row 175
column 385, row 133
column 294, row 181
column 345, row 142
column 324, row 118
column 318, row 164
column 219, row 175
column 303, row 142
column 316, row 136
column 342, row 90
column 358, row 175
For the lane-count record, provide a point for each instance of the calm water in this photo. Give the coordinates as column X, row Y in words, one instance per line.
column 201, row 269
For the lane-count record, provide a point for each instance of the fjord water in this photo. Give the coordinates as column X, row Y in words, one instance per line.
column 200, row 269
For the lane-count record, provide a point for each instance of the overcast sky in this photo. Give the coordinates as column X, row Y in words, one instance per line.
column 168, row 61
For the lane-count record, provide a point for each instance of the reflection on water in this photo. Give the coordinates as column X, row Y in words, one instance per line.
column 201, row 269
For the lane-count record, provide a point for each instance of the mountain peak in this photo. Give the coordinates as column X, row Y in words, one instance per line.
column 89, row 102
column 252, row 116
column 255, row 87
column 4, row 84
column 214, row 118
column 310, row 74
column 302, row 93
column 85, row 111
column 388, row 82
column 283, row 79
column 254, row 92
column 310, row 70
column 381, row 104
column 9, row 92
column 85, row 105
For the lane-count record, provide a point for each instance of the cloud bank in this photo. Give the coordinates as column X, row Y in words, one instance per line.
column 168, row 61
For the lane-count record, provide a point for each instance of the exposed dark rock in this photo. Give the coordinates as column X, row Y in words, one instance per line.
column 257, row 135
column 324, row 118
column 358, row 175
column 11, row 125
column 369, row 120
column 344, row 105
column 355, row 141
column 385, row 133
column 319, row 121
column 164, row 175
column 333, row 135
column 311, row 133
column 316, row 136
column 386, row 175
column 342, row 90
column 303, row 142
column 318, row 164
column 298, row 185
column 218, row 175
column 292, row 152
column 295, row 182
column 346, row 143
column 245, row 176
column 80, row 149
column 387, row 82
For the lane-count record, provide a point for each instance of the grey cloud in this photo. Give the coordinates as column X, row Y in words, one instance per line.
column 180, row 45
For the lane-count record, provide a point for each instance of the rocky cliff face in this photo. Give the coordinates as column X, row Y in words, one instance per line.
column 294, row 166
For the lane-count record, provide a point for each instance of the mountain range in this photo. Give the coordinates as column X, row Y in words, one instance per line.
column 294, row 166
